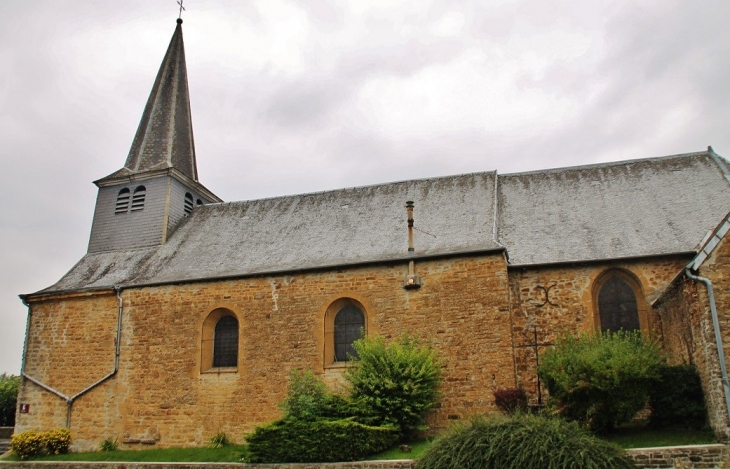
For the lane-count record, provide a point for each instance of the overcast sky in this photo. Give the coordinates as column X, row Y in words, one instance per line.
column 310, row 95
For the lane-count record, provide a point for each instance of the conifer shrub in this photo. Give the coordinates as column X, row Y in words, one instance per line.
column 31, row 443
column 321, row 440
column 522, row 441
column 601, row 380
column 510, row 400
column 8, row 399
column 396, row 381
column 676, row 398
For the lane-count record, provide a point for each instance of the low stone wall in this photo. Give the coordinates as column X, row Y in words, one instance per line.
column 680, row 457
column 670, row 457
column 402, row 464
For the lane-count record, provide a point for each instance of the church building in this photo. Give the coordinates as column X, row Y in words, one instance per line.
column 187, row 314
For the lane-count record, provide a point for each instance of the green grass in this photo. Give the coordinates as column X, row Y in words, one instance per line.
column 634, row 437
column 628, row 438
column 226, row 454
column 417, row 448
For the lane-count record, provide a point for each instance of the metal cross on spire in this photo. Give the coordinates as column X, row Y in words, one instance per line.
column 182, row 8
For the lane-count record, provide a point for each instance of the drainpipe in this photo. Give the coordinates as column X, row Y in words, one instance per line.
column 70, row 400
column 413, row 280
column 718, row 336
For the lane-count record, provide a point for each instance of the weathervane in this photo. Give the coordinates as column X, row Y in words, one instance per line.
column 182, row 8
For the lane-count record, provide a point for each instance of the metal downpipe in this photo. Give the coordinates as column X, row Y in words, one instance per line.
column 718, row 337
column 70, row 400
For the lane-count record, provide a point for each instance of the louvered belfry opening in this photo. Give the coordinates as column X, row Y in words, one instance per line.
column 122, row 201
column 188, row 203
column 138, row 198
column 225, row 342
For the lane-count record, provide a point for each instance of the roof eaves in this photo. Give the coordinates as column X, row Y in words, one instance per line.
column 601, row 260
column 262, row 273
column 710, row 244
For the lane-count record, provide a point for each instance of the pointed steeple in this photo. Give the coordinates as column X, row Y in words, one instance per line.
column 142, row 204
column 164, row 138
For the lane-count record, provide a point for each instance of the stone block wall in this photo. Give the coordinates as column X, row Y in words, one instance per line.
column 560, row 299
column 680, row 457
column 162, row 396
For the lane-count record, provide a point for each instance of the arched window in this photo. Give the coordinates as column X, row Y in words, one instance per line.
column 345, row 321
column 188, row 203
column 198, row 202
column 617, row 302
column 138, row 198
column 225, row 342
column 349, row 323
column 219, row 342
column 122, row 201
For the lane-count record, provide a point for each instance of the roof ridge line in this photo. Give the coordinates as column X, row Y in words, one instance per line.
column 608, row 164
column 354, row 188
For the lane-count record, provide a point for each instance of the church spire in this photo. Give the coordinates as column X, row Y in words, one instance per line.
column 142, row 204
column 164, row 138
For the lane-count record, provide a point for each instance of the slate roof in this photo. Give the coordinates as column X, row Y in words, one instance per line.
column 335, row 228
column 636, row 208
column 615, row 210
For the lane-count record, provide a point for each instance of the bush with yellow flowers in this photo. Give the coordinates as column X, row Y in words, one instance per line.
column 32, row 443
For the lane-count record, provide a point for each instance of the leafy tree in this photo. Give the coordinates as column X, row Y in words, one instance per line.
column 8, row 399
column 397, row 381
column 601, row 380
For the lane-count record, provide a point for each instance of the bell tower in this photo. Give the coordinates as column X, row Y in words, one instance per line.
column 140, row 204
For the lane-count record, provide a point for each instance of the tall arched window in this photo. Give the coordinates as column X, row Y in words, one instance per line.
column 138, row 198
column 220, row 342
column 345, row 321
column 188, row 203
column 617, row 302
column 349, row 323
column 225, row 342
column 122, row 201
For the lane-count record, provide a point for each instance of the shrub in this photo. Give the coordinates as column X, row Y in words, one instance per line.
column 676, row 399
column 397, row 381
column 31, row 443
column 291, row 440
column 522, row 442
column 511, row 400
column 8, row 399
column 219, row 440
column 109, row 444
column 306, row 397
column 601, row 380
column 57, row 441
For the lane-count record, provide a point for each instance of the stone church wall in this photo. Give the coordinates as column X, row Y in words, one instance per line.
column 715, row 268
column 559, row 299
column 162, row 394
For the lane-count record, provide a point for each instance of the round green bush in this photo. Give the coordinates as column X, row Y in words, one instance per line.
column 397, row 381
column 523, row 442
column 601, row 380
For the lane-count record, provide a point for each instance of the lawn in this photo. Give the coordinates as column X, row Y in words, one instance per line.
column 230, row 453
column 634, row 437
column 628, row 438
